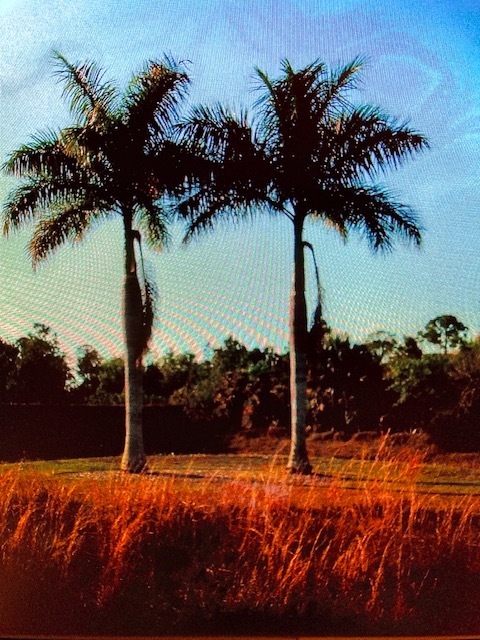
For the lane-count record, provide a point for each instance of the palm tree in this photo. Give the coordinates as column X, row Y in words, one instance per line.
column 310, row 153
column 116, row 160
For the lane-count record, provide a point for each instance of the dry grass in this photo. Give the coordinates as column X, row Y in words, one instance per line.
column 110, row 553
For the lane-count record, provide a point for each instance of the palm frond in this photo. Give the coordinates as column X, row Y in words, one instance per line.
column 38, row 194
column 299, row 104
column 370, row 142
column 171, row 169
column 67, row 224
column 204, row 211
column 92, row 99
column 273, row 90
column 153, row 219
column 199, row 223
column 210, row 131
column 236, row 171
column 265, row 86
column 266, row 105
column 85, row 144
column 45, row 154
column 240, row 182
column 150, row 297
column 19, row 208
column 151, row 100
column 374, row 212
column 29, row 200
column 311, row 149
column 287, row 103
column 333, row 97
column 149, row 303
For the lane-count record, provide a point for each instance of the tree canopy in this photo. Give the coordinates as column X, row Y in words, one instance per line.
column 445, row 331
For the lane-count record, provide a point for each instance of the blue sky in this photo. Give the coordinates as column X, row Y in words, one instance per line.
column 422, row 65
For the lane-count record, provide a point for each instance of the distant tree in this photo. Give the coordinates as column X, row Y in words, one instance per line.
column 445, row 331
column 421, row 384
column 409, row 349
column 267, row 402
column 346, row 389
column 176, row 371
column 466, row 373
column 111, row 381
column 466, row 361
column 237, row 388
column 102, row 381
column 153, row 383
column 8, row 370
column 435, row 391
column 382, row 344
column 417, row 378
column 88, row 365
column 218, row 386
column 42, row 369
column 231, row 356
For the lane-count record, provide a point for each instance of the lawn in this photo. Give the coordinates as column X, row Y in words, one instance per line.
column 446, row 475
column 383, row 544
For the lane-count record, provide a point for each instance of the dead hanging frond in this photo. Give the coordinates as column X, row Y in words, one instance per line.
column 150, row 297
column 319, row 328
column 317, row 314
column 149, row 300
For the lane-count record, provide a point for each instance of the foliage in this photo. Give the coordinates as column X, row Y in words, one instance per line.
column 382, row 344
column 115, row 160
column 88, row 364
column 42, row 372
column 176, row 371
column 111, row 377
column 237, row 387
column 347, row 392
column 101, row 381
column 418, row 377
column 351, row 387
column 446, row 332
column 437, row 392
column 456, row 426
column 8, row 370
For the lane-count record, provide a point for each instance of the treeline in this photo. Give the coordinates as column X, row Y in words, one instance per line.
column 429, row 381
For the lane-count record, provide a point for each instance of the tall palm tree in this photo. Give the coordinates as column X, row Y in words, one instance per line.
column 310, row 153
column 116, row 160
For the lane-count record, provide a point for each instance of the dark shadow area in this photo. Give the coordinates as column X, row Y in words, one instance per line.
column 50, row 432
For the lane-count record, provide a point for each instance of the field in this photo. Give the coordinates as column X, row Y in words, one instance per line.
column 386, row 542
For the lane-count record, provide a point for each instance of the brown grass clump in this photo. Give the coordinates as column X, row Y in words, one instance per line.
column 110, row 553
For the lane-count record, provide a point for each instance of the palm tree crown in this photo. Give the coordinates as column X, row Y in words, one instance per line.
column 308, row 149
column 309, row 152
column 117, row 159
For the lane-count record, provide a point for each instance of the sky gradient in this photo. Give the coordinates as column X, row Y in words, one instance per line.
column 422, row 65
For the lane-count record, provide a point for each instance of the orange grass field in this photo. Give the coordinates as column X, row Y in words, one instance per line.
column 365, row 547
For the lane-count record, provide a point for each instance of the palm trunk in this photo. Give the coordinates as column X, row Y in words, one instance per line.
column 134, row 459
column 298, row 461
